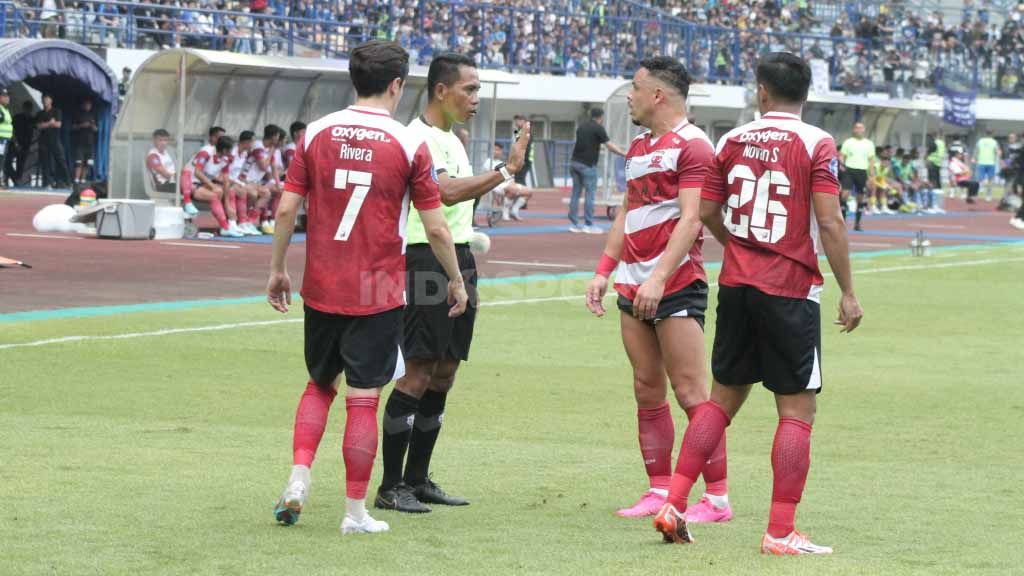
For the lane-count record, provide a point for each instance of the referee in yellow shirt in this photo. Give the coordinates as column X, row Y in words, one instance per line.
column 858, row 157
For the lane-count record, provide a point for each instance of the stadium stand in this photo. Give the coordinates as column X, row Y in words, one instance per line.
column 868, row 45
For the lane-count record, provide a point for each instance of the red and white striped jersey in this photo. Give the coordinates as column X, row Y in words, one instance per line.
column 358, row 169
column 254, row 173
column 765, row 173
column 656, row 170
column 212, row 165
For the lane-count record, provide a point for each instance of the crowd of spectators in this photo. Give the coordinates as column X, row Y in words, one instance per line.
column 867, row 44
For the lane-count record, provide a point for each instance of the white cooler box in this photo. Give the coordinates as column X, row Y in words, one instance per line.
column 126, row 219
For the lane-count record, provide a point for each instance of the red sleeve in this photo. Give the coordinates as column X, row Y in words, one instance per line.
column 297, row 180
column 825, row 168
column 200, row 160
column 714, row 182
column 153, row 162
column 693, row 163
column 423, row 180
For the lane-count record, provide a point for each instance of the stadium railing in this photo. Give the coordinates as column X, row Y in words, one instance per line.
column 595, row 43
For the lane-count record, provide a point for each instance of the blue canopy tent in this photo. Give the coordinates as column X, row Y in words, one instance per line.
column 70, row 73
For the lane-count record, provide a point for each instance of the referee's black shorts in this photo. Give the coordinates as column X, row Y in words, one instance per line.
column 429, row 333
column 935, row 176
column 856, row 181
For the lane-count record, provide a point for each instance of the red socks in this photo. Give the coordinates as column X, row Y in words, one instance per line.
column 702, row 438
column 310, row 420
column 217, row 208
column 657, row 439
column 715, row 469
column 791, row 457
column 242, row 207
column 360, row 446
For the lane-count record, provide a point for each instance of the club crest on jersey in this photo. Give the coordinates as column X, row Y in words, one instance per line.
column 656, row 161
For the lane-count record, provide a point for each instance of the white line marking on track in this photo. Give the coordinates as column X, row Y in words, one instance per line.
column 221, row 327
column 201, row 245
column 51, row 237
column 943, row 226
column 872, row 244
column 538, row 264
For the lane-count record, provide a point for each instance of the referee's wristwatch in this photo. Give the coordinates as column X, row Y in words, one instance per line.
column 503, row 170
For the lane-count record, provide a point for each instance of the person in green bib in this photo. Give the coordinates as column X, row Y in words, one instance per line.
column 434, row 343
column 6, row 131
column 936, row 155
column 988, row 155
column 858, row 158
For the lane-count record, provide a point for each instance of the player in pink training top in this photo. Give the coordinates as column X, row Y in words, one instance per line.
column 663, row 290
column 357, row 170
column 770, row 192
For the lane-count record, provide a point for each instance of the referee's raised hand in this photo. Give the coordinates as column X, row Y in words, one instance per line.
column 517, row 156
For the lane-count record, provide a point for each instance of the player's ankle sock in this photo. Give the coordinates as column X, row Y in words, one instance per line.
column 217, row 208
column 703, row 434
column 300, row 473
column 355, row 508
column 429, row 416
column 791, row 457
column 310, row 421
column 360, row 445
column 657, row 439
column 399, row 413
column 719, row 501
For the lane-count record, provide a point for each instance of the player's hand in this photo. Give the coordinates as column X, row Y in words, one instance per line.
column 279, row 291
column 645, row 305
column 850, row 313
column 595, row 295
column 457, row 298
column 517, row 156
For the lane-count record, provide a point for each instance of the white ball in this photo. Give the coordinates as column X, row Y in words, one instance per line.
column 479, row 243
column 54, row 218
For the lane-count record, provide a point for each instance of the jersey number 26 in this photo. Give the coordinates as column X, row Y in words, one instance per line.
column 758, row 190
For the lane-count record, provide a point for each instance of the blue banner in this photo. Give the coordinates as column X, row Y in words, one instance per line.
column 958, row 107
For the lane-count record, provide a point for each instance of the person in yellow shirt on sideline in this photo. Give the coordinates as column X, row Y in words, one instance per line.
column 987, row 155
column 858, row 158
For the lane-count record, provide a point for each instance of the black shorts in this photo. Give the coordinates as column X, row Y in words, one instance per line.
column 690, row 302
column 856, row 181
column 770, row 339
column 365, row 348
column 166, row 187
column 84, row 154
column 429, row 333
column 934, row 176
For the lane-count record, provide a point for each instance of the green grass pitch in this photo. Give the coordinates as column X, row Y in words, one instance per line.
column 165, row 454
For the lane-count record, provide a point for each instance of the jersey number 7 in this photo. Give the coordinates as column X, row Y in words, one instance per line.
column 361, row 181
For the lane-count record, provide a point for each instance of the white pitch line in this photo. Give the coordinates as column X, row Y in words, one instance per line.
column 942, row 226
column 19, row 235
column 201, row 245
column 221, row 327
column 538, row 264
column 871, row 244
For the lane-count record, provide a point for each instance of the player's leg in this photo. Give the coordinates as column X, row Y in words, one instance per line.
column 455, row 343
column 682, row 346
column 656, row 429
column 791, row 358
column 521, row 195
column 859, row 185
column 371, row 350
column 735, row 366
column 213, row 198
column 576, row 172
column 262, row 211
column 322, row 334
column 241, row 204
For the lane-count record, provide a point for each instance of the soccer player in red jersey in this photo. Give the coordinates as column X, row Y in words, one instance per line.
column 770, row 197
column 663, row 290
column 356, row 170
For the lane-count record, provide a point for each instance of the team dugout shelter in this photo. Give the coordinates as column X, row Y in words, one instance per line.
column 186, row 91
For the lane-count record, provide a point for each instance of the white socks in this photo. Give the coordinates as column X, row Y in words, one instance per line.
column 356, row 509
column 300, row 473
column 718, row 502
column 659, row 491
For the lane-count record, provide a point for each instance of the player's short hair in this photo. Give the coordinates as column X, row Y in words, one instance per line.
column 444, row 69
column 271, row 130
column 499, row 145
column 214, row 130
column 246, row 136
column 225, row 144
column 295, row 128
column 161, row 133
column 596, row 113
column 786, row 76
column 670, row 71
column 374, row 65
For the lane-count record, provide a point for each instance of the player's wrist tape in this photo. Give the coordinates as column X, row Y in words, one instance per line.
column 606, row 266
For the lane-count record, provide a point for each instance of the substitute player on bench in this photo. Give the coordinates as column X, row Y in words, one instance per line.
column 356, row 170
column 663, row 290
column 435, row 343
column 776, row 180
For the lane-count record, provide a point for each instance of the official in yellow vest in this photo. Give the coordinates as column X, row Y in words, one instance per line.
column 6, row 130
